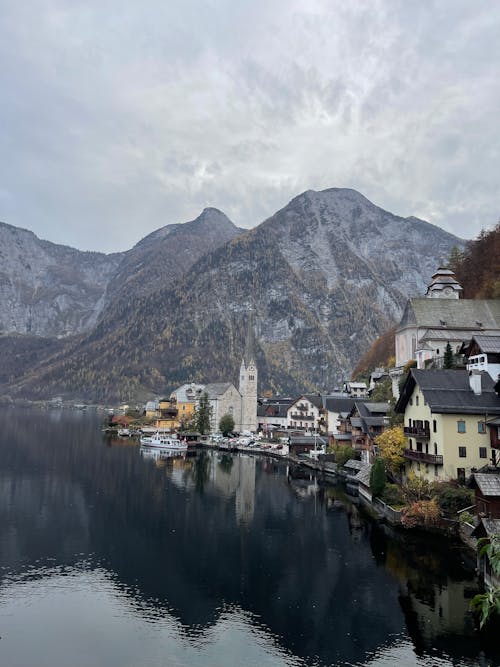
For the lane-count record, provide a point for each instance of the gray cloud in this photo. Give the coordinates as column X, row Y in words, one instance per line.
column 118, row 118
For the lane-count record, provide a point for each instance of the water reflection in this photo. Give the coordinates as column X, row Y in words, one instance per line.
column 234, row 554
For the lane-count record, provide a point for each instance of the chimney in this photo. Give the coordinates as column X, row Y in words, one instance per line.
column 475, row 382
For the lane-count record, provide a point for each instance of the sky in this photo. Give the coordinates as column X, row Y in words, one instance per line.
column 118, row 117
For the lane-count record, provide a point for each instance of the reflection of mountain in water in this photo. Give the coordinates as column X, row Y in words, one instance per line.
column 194, row 536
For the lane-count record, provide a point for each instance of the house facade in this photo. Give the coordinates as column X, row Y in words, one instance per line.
column 445, row 422
column 306, row 413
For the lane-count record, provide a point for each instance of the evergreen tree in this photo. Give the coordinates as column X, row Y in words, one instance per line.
column 377, row 477
column 448, row 356
column 203, row 415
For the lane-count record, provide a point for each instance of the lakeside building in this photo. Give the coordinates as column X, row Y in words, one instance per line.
column 450, row 421
column 440, row 317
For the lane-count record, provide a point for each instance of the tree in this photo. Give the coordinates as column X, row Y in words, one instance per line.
column 448, row 356
column 203, row 415
column 488, row 604
column 391, row 444
column 377, row 477
column 342, row 454
column 226, row 424
column 382, row 391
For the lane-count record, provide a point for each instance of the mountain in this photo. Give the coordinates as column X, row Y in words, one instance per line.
column 167, row 253
column 323, row 278
column 51, row 290
column 48, row 289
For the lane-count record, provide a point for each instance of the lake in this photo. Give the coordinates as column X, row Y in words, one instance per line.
column 110, row 557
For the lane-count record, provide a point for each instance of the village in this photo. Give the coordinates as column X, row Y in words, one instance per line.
column 418, row 443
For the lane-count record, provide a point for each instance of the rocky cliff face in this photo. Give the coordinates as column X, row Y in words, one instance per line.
column 324, row 277
column 55, row 291
column 48, row 289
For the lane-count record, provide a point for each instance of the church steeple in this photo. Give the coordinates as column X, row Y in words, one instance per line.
column 444, row 285
column 248, row 381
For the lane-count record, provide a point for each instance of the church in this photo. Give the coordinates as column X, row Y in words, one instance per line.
column 224, row 398
column 442, row 316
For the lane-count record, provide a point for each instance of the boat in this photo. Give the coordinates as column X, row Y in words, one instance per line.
column 159, row 454
column 164, row 441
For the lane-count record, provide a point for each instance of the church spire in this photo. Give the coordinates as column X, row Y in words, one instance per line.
column 249, row 353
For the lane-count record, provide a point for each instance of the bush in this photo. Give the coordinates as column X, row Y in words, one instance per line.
column 452, row 499
column 466, row 517
column 392, row 495
column 343, row 454
column 421, row 514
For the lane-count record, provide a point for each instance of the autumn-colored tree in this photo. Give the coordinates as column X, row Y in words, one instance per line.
column 421, row 514
column 416, row 488
column 477, row 268
column 391, row 444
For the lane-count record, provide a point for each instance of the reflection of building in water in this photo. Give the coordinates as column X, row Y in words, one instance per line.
column 434, row 604
column 235, row 475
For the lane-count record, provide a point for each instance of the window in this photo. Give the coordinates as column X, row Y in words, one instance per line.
column 481, row 427
column 436, row 472
column 462, row 452
column 411, row 401
column 410, row 443
column 461, row 426
column 416, row 400
column 483, row 453
column 434, row 426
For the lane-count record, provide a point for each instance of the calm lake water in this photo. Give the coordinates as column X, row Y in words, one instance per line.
column 109, row 558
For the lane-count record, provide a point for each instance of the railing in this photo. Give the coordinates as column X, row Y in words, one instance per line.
column 417, row 431
column 296, row 415
column 423, row 457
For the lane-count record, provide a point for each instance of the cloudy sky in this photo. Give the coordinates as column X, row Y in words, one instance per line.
column 118, row 117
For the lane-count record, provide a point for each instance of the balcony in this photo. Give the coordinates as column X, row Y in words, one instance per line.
column 297, row 415
column 423, row 457
column 417, row 432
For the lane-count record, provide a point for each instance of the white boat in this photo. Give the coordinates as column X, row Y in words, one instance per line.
column 164, row 441
column 159, row 454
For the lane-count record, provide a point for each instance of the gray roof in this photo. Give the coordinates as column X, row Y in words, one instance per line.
column 491, row 526
column 446, row 334
column 342, row 436
column 489, row 485
column 354, row 464
column 448, row 392
column 334, row 404
column 217, row 389
column 488, row 344
column 471, row 314
column 363, row 475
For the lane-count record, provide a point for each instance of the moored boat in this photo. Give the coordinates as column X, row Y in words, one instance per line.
column 164, row 441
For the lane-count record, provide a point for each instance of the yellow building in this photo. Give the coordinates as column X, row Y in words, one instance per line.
column 445, row 415
column 186, row 399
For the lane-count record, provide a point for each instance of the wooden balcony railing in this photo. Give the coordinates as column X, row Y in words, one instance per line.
column 423, row 457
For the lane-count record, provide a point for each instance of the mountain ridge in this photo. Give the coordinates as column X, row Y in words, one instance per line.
column 324, row 276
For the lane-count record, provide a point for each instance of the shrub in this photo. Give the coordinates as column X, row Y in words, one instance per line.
column 421, row 514
column 452, row 499
column 342, row 454
column 392, row 495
